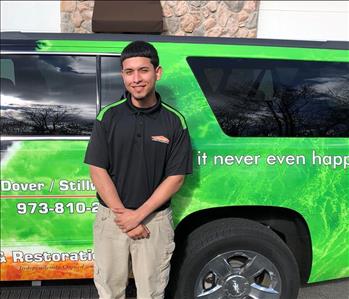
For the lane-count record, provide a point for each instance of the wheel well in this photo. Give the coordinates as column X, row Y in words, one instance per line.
column 288, row 224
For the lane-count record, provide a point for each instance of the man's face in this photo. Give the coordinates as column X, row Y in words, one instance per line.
column 140, row 76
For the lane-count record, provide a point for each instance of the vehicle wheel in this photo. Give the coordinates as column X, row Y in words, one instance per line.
column 235, row 258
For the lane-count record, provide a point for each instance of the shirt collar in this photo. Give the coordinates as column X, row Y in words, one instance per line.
column 151, row 111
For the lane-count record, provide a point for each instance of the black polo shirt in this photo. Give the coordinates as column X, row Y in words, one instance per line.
column 139, row 148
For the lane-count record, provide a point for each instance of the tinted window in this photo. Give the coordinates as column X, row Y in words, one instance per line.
column 112, row 87
column 255, row 97
column 47, row 94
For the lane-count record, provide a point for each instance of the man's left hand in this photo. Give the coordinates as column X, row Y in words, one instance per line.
column 126, row 219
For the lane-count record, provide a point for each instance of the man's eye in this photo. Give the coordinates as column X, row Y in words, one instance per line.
column 144, row 70
column 128, row 73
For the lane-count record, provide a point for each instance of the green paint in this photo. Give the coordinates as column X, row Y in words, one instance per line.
column 184, row 125
column 65, row 160
column 190, row 49
column 317, row 192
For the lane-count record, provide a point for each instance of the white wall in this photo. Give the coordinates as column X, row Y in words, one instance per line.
column 307, row 20
column 35, row 16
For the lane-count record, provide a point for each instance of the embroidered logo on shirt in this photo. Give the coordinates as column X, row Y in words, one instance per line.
column 161, row 139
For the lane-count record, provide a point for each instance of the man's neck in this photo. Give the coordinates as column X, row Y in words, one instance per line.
column 146, row 102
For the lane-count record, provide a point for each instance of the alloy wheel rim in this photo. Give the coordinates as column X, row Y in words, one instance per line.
column 238, row 274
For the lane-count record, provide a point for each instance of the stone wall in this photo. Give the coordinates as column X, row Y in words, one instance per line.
column 195, row 18
column 76, row 16
column 211, row 18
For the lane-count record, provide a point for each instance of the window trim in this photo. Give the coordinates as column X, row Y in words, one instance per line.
column 39, row 138
column 98, row 84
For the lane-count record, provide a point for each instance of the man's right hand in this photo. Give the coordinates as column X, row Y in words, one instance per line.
column 139, row 232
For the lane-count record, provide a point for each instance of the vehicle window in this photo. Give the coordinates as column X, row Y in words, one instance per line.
column 7, row 70
column 47, row 95
column 112, row 87
column 257, row 97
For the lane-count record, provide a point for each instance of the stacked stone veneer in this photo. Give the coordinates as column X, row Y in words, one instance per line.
column 76, row 16
column 199, row 18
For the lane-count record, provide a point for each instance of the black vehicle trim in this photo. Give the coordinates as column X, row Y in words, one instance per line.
column 20, row 39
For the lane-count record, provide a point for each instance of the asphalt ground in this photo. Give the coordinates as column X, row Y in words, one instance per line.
column 338, row 289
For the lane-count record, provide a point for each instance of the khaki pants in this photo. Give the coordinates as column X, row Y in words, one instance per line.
column 150, row 257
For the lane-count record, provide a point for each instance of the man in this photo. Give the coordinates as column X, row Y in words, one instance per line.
column 139, row 153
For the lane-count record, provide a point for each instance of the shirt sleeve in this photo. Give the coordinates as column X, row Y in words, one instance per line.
column 180, row 161
column 97, row 149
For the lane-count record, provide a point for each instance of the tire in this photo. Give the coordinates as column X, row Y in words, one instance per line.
column 234, row 258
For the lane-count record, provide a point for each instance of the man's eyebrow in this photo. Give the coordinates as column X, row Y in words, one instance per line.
column 139, row 68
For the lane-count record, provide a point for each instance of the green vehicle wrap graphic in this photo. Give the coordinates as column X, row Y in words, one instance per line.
column 319, row 193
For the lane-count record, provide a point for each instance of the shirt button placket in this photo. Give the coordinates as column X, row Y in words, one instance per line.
column 140, row 130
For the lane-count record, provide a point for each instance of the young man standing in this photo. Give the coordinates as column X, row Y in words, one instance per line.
column 139, row 153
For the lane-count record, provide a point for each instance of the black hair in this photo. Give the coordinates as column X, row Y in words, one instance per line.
column 140, row 49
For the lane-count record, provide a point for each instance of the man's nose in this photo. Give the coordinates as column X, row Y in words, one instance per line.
column 136, row 77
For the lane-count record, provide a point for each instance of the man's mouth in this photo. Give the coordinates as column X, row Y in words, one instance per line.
column 138, row 88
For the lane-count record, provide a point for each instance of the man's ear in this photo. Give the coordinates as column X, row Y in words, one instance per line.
column 158, row 72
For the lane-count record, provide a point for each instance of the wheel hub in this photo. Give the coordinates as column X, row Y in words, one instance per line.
column 236, row 286
column 238, row 274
